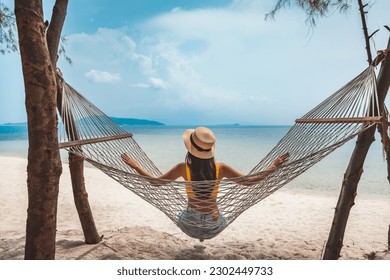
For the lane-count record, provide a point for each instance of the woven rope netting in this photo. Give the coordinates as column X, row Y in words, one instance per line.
column 89, row 133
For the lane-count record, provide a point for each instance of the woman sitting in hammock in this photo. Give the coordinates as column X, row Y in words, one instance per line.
column 202, row 219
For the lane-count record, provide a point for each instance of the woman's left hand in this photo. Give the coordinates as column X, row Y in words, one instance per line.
column 279, row 161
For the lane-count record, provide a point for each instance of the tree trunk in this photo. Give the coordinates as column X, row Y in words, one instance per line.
column 388, row 240
column 347, row 195
column 76, row 164
column 353, row 173
column 54, row 30
column 44, row 163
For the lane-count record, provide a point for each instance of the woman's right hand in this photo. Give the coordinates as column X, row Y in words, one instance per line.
column 129, row 161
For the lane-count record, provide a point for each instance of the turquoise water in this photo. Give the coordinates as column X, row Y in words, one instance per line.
column 243, row 147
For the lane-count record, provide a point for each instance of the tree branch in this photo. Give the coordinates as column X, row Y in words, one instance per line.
column 55, row 28
column 373, row 33
column 365, row 31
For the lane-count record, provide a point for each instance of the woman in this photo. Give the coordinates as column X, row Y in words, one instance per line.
column 202, row 219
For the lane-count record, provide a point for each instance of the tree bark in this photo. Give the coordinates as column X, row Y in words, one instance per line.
column 388, row 240
column 76, row 164
column 354, row 171
column 54, row 30
column 44, row 164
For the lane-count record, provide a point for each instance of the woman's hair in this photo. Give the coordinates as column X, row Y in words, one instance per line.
column 201, row 169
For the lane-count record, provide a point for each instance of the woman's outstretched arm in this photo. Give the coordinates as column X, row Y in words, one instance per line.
column 174, row 173
column 229, row 172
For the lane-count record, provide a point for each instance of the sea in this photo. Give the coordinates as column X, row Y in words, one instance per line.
column 241, row 147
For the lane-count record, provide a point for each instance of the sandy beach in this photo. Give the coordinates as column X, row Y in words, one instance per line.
column 287, row 225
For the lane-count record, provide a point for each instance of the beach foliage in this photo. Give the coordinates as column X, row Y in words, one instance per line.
column 313, row 9
column 8, row 41
column 8, row 34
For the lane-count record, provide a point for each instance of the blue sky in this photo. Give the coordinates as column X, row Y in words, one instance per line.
column 202, row 62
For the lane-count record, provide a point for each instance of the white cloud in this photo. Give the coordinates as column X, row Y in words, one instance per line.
column 209, row 24
column 144, row 62
column 140, row 85
column 211, row 79
column 221, row 64
column 153, row 83
column 157, row 83
column 102, row 76
column 176, row 9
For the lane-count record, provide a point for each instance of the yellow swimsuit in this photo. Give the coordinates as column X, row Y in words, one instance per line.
column 205, row 205
column 190, row 191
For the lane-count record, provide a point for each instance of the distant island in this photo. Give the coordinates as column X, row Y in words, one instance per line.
column 19, row 131
column 229, row 124
column 130, row 121
column 15, row 124
column 119, row 121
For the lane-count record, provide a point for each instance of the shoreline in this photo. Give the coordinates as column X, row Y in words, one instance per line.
column 324, row 178
column 289, row 224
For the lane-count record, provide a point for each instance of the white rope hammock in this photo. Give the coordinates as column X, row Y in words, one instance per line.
column 92, row 135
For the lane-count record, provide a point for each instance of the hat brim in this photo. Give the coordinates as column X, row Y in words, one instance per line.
column 192, row 150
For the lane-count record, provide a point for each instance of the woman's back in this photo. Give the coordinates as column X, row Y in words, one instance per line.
column 202, row 196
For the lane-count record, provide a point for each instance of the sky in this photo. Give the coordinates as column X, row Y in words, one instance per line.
column 201, row 62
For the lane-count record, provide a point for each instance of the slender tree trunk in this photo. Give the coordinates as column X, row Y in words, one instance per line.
column 54, row 30
column 76, row 164
column 44, row 163
column 383, row 86
column 388, row 240
column 347, row 195
column 353, row 173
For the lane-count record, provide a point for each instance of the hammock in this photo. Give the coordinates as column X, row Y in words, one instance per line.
column 92, row 135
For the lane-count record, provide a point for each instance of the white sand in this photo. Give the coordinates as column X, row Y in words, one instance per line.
column 286, row 225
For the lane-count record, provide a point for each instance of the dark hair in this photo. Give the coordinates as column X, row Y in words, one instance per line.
column 201, row 170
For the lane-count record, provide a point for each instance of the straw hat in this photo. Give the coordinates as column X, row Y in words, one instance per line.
column 200, row 142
